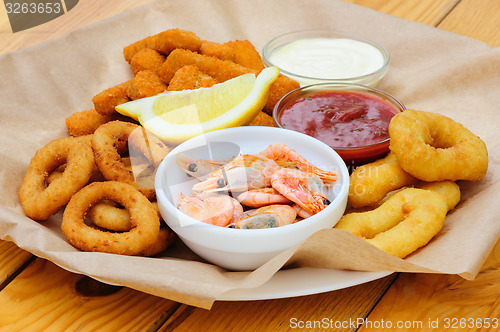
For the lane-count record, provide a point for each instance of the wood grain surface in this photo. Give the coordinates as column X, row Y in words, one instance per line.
column 37, row 295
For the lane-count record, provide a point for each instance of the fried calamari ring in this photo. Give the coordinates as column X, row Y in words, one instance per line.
column 143, row 218
column 368, row 184
column 433, row 147
column 107, row 215
column 104, row 143
column 165, row 238
column 449, row 189
column 39, row 200
column 405, row 222
column 143, row 143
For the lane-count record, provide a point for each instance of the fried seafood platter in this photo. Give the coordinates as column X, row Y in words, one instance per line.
column 103, row 173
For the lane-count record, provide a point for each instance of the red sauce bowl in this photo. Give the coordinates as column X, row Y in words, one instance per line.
column 353, row 119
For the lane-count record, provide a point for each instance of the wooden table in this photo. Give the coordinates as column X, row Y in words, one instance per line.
column 37, row 295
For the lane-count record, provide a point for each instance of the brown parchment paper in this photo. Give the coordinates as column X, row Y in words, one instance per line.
column 430, row 70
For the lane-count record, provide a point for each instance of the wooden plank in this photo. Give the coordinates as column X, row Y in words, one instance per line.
column 45, row 296
column 429, row 12
column 479, row 19
column 83, row 14
column 441, row 301
column 272, row 315
column 12, row 258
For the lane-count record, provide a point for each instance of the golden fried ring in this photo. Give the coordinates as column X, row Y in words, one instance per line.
column 143, row 143
column 143, row 218
column 433, row 147
column 449, row 189
column 368, row 184
column 40, row 201
column 106, row 214
column 108, row 159
column 407, row 221
column 165, row 238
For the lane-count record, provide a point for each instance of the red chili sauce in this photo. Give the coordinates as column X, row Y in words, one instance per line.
column 340, row 118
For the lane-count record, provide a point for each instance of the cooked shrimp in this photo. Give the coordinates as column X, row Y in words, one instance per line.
column 305, row 189
column 245, row 172
column 268, row 217
column 215, row 210
column 285, row 156
column 200, row 169
column 238, row 212
column 301, row 212
column 261, row 197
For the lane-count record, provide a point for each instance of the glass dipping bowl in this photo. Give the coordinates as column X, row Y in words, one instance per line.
column 314, row 57
column 353, row 155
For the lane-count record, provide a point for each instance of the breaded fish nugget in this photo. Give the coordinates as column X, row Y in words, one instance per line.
column 86, row 122
column 145, row 84
column 189, row 78
column 263, row 119
column 164, row 43
column 280, row 87
column 221, row 71
column 146, row 59
column 246, row 54
column 220, row 51
column 105, row 101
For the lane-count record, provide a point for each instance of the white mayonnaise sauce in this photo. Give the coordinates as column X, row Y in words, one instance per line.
column 328, row 58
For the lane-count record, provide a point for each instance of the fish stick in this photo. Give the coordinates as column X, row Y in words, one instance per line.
column 220, row 70
column 278, row 89
column 145, row 84
column 105, row 101
column 246, row 54
column 220, row 51
column 86, row 122
column 189, row 78
column 146, row 59
column 263, row 119
column 164, row 43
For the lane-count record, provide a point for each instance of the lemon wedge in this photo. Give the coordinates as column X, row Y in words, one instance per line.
column 179, row 115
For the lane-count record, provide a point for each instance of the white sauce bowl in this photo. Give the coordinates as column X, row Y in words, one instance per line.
column 317, row 56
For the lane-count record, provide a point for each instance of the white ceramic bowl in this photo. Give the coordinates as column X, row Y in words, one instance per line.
column 314, row 63
column 245, row 249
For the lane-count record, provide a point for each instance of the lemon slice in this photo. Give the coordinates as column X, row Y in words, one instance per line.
column 179, row 115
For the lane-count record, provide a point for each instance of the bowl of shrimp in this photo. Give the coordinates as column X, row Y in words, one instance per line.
column 238, row 197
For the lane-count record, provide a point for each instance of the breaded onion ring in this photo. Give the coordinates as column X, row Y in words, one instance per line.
column 40, row 200
column 405, row 222
column 433, row 147
column 143, row 218
column 368, row 184
column 104, row 143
